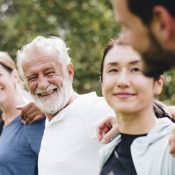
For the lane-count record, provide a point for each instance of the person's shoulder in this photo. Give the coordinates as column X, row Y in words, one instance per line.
column 164, row 124
column 93, row 105
column 38, row 125
column 161, row 131
column 40, row 122
column 34, row 131
column 91, row 98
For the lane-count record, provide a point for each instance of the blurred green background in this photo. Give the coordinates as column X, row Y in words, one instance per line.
column 86, row 27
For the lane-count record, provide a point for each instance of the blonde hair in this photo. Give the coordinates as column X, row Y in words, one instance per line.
column 7, row 61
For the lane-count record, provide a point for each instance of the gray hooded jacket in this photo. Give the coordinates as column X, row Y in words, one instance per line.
column 150, row 153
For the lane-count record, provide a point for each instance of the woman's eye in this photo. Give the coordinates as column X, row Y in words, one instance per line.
column 135, row 69
column 113, row 70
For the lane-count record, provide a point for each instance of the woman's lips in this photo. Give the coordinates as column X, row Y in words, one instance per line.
column 124, row 94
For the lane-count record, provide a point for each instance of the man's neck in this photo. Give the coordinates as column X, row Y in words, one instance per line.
column 73, row 97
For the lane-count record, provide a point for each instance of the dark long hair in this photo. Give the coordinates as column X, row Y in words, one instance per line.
column 109, row 46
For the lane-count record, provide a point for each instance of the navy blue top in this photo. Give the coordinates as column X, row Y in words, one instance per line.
column 19, row 147
column 120, row 162
column 1, row 125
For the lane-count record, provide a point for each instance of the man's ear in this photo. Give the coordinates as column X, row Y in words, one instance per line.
column 70, row 71
column 163, row 23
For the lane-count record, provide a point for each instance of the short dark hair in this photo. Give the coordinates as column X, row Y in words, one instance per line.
column 144, row 8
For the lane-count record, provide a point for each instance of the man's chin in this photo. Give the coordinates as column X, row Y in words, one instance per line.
column 155, row 66
column 157, row 59
column 46, row 108
column 49, row 110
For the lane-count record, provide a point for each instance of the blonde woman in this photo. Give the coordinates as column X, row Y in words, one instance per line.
column 19, row 143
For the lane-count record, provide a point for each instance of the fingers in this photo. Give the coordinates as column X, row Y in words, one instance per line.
column 33, row 117
column 110, row 135
column 107, row 130
column 172, row 143
column 25, row 109
column 19, row 107
column 30, row 113
column 101, row 130
column 171, row 109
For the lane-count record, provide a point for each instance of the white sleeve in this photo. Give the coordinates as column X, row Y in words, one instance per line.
column 97, row 112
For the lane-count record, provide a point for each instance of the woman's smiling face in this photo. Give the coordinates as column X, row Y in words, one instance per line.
column 124, row 86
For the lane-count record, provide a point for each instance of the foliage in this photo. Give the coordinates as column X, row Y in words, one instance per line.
column 168, row 94
column 86, row 26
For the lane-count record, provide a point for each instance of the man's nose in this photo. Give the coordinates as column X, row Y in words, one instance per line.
column 42, row 82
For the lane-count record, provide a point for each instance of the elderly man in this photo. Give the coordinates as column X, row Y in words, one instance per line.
column 149, row 26
column 69, row 145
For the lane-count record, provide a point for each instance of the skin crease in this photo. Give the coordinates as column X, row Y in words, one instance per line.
column 128, row 91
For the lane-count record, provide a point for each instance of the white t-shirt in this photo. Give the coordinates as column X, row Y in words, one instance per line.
column 69, row 145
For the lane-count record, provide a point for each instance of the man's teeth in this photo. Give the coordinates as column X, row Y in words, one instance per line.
column 46, row 93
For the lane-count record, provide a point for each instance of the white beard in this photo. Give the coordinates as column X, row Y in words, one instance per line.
column 56, row 101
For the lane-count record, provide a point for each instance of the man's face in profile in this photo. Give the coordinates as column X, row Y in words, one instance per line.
column 140, row 36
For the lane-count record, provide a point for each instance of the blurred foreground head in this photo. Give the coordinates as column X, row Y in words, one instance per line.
column 149, row 26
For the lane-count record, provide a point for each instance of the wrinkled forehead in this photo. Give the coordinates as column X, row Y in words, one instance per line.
column 38, row 57
column 41, row 65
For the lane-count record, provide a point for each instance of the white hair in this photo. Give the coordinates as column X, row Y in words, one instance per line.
column 44, row 45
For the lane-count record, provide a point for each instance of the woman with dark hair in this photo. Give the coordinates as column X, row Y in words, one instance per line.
column 142, row 145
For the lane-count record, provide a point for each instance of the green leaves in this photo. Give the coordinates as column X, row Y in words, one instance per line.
column 86, row 26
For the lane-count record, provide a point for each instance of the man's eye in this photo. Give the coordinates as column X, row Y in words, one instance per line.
column 31, row 79
column 49, row 73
